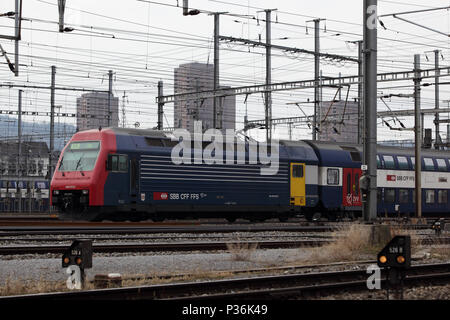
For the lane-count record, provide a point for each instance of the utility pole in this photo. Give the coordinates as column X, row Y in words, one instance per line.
column 19, row 130
column 216, row 67
column 268, row 95
column 123, row 109
column 52, row 124
column 418, row 137
column 360, row 91
column 61, row 9
column 19, row 153
column 436, row 99
column 316, row 75
column 110, row 74
column 160, row 106
column 17, row 37
column 370, row 106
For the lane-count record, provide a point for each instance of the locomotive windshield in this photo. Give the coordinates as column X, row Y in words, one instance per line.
column 80, row 156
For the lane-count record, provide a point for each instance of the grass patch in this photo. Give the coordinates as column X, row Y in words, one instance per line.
column 349, row 244
column 19, row 287
column 242, row 251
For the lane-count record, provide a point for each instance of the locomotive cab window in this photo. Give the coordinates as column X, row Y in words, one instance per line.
column 297, row 171
column 117, row 163
column 79, row 156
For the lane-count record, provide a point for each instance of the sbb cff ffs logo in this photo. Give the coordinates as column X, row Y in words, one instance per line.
column 160, row 196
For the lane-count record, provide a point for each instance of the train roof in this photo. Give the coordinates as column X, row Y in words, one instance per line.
column 335, row 154
column 299, row 150
column 139, row 132
column 350, row 154
column 410, row 151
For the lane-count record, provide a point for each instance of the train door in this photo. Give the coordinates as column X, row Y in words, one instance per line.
column 350, row 186
column 298, row 186
column 134, row 178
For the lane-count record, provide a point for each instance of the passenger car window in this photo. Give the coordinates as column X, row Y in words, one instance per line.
column 442, row 166
column 333, row 177
column 389, row 195
column 429, row 196
column 442, row 196
column 429, row 164
column 389, row 162
column 402, row 163
column 403, row 195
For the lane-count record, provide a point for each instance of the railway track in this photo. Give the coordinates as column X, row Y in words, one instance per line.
column 301, row 285
column 161, row 247
column 186, row 246
column 135, row 228
column 241, row 237
column 20, row 228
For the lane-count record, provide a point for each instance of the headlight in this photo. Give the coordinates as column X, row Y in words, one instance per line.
column 85, row 191
column 56, row 192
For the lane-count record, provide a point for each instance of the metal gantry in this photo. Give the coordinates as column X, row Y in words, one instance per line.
column 407, row 75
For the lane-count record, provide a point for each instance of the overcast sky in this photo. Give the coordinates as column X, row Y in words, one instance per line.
column 142, row 42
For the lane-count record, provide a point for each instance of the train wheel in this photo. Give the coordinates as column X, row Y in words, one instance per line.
column 257, row 219
column 156, row 218
column 332, row 216
column 135, row 218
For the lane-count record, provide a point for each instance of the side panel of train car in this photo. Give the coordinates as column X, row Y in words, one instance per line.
column 339, row 172
column 396, row 182
column 338, row 178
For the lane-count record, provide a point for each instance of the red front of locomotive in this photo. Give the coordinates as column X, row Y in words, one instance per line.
column 77, row 187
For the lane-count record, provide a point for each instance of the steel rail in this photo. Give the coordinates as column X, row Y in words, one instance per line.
column 294, row 285
column 161, row 247
column 135, row 229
